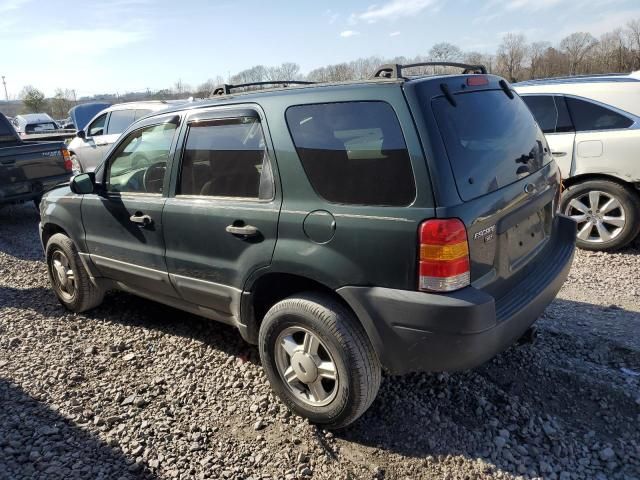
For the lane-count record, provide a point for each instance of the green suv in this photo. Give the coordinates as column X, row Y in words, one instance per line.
column 399, row 224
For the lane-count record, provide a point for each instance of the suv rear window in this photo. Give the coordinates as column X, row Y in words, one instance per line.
column 353, row 152
column 491, row 140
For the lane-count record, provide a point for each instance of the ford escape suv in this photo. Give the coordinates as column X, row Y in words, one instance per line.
column 399, row 224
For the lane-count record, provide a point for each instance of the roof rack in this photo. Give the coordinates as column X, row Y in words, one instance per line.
column 394, row 70
column 225, row 88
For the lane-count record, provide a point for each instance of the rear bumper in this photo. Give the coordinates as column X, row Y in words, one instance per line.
column 30, row 189
column 416, row 331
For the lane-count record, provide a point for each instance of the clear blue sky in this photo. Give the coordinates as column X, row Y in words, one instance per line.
column 129, row 45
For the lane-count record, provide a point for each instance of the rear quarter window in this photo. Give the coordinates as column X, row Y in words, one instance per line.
column 353, row 152
column 588, row 116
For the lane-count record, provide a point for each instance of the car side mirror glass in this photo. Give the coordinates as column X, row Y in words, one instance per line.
column 83, row 183
column 81, row 134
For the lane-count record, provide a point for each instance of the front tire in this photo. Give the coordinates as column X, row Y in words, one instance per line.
column 319, row 360
column 69, row 280
column 607, row 214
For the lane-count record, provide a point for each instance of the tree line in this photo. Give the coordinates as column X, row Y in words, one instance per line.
column 516, row 59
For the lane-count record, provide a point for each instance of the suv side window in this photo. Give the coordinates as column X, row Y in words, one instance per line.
column 589, row 116
column 353, row 152
column 119, row 121
column 140, row 161
column 226, row 158
column 97, row 127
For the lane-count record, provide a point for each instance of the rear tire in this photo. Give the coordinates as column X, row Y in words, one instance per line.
column 69, row 279
column 320, row 347
column 607, row 213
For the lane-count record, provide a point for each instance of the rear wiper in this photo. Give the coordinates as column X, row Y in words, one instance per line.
column 447, row 93
column 506, row 89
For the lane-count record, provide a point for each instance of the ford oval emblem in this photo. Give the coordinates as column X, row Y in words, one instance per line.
column 529, row 188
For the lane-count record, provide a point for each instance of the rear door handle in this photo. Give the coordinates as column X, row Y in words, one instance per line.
column 244, row 231
column 141, row 219
column 558, row 154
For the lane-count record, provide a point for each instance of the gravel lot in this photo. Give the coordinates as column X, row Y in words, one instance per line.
column 137, row 390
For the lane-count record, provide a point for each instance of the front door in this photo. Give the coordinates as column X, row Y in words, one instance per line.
column 221, row 223
column 94, row 146
column 123, row 223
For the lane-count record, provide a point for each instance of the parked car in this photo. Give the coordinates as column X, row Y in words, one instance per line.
column 27, row 169
column 34, row 123
column 593, row 127
column 96, row 138
column 80, row 115
column 396, row 224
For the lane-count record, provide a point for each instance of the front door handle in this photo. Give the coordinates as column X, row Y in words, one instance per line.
column 141, row 219
column 244, row 231
column 558, row 154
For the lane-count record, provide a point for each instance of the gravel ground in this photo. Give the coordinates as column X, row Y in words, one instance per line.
column 134, row 389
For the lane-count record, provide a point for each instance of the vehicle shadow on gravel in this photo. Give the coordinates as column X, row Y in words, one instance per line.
column 13, row 220
column 37, row 442
column 566, row 393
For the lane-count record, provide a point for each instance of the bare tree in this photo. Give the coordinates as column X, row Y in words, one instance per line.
column 633, row 34
column 61, row 102
column 576, row 46
column 537, row 51
column 511, row 54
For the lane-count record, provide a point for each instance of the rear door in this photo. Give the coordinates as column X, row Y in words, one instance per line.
column 552, row 115
column 221, row 222
column 501, row 170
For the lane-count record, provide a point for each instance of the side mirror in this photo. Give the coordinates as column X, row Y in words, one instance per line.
column 81, row 134
column 83, row 183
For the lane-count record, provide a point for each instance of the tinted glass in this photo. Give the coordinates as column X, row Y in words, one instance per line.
column 226, row 158
column 353, row 153
column 97, row 127
column 40, row 127
column 120, row 120
column 544, row 110
column 140, row 161
column 142, row 113
column 491, row 140
column 589, row 116
column 565, row 124
column 6, row 130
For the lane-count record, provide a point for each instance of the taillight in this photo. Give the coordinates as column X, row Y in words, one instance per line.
column 444, row 256
column 68, row 166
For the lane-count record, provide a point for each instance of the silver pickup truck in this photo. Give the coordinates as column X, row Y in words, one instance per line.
column 28, row 169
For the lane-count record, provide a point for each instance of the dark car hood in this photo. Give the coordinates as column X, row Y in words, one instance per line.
column 81, row 114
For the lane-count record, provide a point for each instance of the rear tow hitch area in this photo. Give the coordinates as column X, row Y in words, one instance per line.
column 529, row 337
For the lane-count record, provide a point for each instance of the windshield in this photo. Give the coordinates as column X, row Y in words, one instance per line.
column 491, row 140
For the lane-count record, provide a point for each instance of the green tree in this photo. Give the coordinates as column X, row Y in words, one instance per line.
column 33, row 99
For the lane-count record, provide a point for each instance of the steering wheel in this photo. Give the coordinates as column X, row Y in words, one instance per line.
column 154, row 177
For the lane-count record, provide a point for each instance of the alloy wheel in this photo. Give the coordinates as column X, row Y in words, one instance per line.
column 599, row 215
column 306, row 366
column 63, row 277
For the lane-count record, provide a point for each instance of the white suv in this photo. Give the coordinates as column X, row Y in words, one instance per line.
column 592, row 125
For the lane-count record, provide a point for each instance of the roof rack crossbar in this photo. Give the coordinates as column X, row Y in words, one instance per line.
column 394, row 70
column 225, row 88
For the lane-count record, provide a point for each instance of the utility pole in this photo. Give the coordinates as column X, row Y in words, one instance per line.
column 6, row 95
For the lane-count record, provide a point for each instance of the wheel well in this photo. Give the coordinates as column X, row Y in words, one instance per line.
column 571, row 181
column 273, row 287
column 49, row 230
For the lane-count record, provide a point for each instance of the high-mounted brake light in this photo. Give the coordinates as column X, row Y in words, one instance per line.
column 68, row 166
column 477, row 80
column 444, row 256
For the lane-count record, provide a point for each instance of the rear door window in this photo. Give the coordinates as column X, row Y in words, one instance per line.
column 588, row 116
column 492, row 140
column 119, row 121
column 226, row 158
column 353, row 152
column 544, row 110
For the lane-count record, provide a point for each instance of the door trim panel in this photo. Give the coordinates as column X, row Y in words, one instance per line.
column 222, row 298
column 135, row 275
